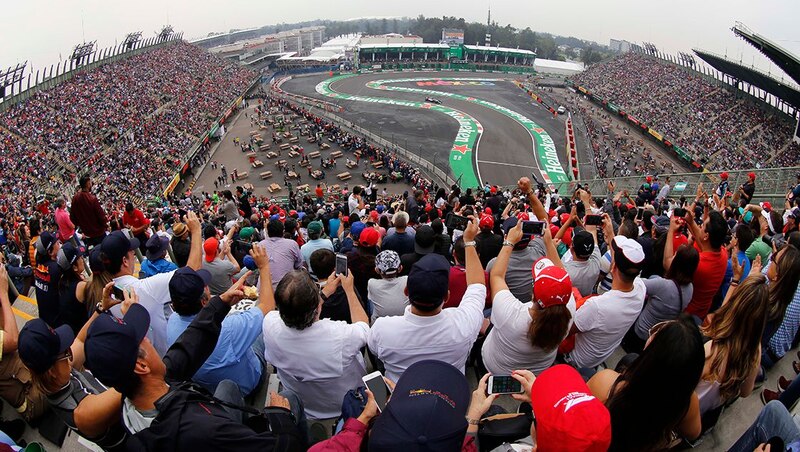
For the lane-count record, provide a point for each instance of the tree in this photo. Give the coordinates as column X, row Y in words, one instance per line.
column 591, row 55
column 384, row 26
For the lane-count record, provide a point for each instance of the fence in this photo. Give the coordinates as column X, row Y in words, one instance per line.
column 67, row 69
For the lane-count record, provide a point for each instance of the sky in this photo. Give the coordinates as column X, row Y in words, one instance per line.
column 42, row 31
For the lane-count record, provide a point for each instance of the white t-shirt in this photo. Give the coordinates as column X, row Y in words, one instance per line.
column 507, row 347
column 447, row 336
column 387, row 296
column 153, row 294
column 320, row 363
column 603, row 321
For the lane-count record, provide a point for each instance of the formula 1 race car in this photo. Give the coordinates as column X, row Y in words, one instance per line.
column 433, row 100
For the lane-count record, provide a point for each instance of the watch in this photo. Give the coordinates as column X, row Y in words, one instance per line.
column 471, row 421
column 470, row 243
column 99, row 308
column 507, row 243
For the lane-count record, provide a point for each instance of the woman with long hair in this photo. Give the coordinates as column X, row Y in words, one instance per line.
column 783, row 274
column 72, row 288
column 733, row 355
column 653, row 398
column 527, row 335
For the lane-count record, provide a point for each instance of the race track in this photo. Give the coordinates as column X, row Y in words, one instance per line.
column 513, row 135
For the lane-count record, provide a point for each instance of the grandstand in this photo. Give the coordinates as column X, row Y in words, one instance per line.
column 135, row 118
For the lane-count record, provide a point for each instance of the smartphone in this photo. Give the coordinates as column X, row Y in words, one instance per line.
column 341, row 264
column 118, row 292
column 639, row 213
column 456, row 222
column 592, row 220
column 374, row 382
column 679, row 212
column 533, row 227
column 503, row 384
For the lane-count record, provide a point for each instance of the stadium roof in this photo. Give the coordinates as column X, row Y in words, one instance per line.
column 543, row 65
column 489, row 49
column 783, row 58
column 783, row 91
column 402, row 46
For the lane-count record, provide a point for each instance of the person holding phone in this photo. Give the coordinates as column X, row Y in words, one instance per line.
column 526, row 335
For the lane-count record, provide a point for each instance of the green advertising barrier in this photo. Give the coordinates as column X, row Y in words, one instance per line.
column 544, row 147
column 461, row 152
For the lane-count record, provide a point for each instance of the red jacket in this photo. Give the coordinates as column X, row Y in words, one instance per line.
column 87, row 214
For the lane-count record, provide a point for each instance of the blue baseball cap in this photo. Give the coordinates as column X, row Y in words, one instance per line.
column 426, row 412
column 187, row 286
column 356, row 228
column 428, row 280
column 96, row 259
column 112, row 346
column 39, row 345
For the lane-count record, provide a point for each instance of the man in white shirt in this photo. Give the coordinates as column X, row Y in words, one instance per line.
column 602, row 321
column 120, row 259
column 355, row 202
column 319, row 359
column 387, row 295
column 425, row 330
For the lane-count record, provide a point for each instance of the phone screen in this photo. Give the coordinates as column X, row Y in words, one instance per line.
column 533, row 227
column 504, row 384
column 457, row 222
column 118, row 293
column 341, row 264
column 639, row 213
column 378, row 388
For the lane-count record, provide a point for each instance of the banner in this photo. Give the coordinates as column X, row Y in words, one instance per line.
column 583, row 90
column 172, row 185
column 655, row 134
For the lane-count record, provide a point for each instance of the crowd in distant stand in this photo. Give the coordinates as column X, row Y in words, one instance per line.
column 723, row 130
column 131, row 122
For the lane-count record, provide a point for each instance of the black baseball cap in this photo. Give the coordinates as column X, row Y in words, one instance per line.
column 45, row 243
column 112, row 346
column 116, row 245
column 426, row 412
column 96, row 259
column 69, row 254
column 39, row 345
column 424, row 239
column 187, row 286
column 582, row 243
column 428, row 280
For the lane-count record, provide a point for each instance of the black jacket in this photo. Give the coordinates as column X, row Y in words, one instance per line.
column 190, row 419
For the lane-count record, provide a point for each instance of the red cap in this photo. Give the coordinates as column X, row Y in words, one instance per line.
column 493, row 190
column 649, row 179
column 282, row 215
column 487, row 211
column 369, row 237
column 564, row 217
column 210, row 246
column 751, row 175
column 568, row 416
column 374, row 215
column 428, row 208
column 766, row 206
column 523, row 216
column 551, row 285
column 292, row 213
column 724, row 175
column 487, row 222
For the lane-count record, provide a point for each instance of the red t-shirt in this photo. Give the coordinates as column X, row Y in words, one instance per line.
column 678, row 240
column 135, row 219
column 458, row 286
column 707, row 281
column 319, row 192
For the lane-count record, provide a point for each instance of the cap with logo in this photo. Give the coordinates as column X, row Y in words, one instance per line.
column 551, row 284
column 187, row 286
column 582, row 243
column 117, row 245
column 568, row 416
column 369, row 237
column 426, row 412
column 69, row 254
column 45, row 243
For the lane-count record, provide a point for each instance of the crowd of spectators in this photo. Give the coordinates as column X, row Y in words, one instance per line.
column 131, row 122
column 720, row 129
column 236, row 287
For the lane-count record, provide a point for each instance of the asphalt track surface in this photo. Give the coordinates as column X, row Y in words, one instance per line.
column 505, row 151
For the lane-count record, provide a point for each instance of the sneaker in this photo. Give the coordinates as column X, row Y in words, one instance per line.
column 768, row 396
column 13, row 429
column 783, row 383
